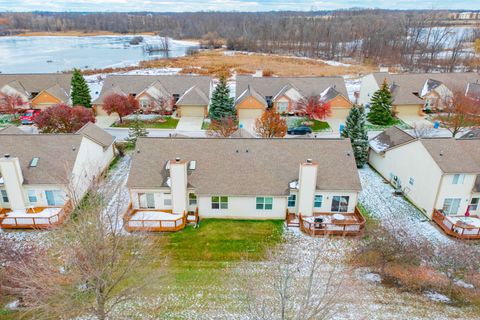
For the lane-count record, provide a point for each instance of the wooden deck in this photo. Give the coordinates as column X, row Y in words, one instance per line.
column 458, row 230
column 30, row 221
column 352, row 225
column 157, row 225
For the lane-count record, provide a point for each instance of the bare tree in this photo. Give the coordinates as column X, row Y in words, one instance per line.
column 87, row 268
column 459, row 111
column 294, row 284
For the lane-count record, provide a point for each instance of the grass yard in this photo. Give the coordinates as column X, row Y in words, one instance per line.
column 196, row 262
column 316, row 126
column 394, row 122
column 169, row 123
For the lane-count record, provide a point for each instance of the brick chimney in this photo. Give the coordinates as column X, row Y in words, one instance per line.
column 178, row 179
column 307, row 184
column 13, row 180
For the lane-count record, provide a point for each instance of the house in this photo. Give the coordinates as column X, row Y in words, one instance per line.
column 43, row 175
column 414, row 92
column 189, row 95
column 255, row 94
column 314, row 183
column 439, row 175
column 37, row 90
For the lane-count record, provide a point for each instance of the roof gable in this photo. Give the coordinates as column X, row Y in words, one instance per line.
column 193, row 97
column 389, row 139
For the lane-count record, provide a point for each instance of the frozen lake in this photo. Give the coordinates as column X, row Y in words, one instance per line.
column 55, row 54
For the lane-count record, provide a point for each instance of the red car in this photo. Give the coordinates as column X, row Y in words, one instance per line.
column 29, row 116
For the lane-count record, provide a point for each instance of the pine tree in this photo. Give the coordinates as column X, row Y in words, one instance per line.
column 357, row 133
column 222, row 105
column 381, row 106
column 136, row 130
column 80, row 90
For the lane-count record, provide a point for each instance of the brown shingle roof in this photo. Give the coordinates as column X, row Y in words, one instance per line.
column 450, row 155
column 37, row 82
column 97, row 134
column 245, row 166
column 56, row 153
column 193, row 97
column 407, row 84
column 390, row 138
column 135, row 84
column 308, row 86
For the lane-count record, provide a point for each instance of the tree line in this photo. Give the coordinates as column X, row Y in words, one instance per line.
column 410, row 40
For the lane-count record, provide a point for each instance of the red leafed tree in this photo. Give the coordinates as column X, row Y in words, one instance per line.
column 10, row 103
column 62, row 118
column 121, row 104
column 271, row 125
column 459, row 112
column 314, row 108
column 222, row 128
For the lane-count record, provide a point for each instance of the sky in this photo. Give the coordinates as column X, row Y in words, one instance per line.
column 227, row 5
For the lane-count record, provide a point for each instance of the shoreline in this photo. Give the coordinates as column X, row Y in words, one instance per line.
column 79, row 34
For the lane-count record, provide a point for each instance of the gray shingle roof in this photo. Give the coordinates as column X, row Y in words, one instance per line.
column 37, row 82
column 451, row 156
column 97, row 134
column 390, row 138
column 193, row 97
column 135, row 84
column 57, row 154
column 245, row 166
column 308, row 86
column 406, row 85
column 251, row 92
column 473, row 90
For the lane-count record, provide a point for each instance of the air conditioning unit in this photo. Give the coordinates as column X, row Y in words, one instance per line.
column 397, row 185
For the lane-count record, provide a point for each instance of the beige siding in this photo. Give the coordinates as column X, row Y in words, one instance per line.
column 192, row 111
column 249, row 113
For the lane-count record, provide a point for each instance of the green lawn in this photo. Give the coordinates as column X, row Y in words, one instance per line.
column 169, row 123
column 317, row 125
column 394, row 122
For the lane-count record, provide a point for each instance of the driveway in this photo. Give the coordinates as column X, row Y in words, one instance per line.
column 394, row 211
column 415, row 121
column 335, row 124
column 190, row 124
column 249, row 125
column 105, row 121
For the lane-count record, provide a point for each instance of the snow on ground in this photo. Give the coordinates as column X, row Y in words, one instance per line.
column 353, row 85
column 393, row 211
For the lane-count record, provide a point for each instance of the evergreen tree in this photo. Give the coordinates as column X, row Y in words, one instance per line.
column 80, row 90
column 135, row 131
column 357, row 133
column 381, row 106
column 222, row 105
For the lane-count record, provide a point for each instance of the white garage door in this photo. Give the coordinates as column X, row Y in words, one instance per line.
column 340, row 114
column 410, row 111
column 192, row 111
column 249, row 114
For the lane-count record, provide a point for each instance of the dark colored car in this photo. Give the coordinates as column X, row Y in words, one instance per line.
column 302, row 130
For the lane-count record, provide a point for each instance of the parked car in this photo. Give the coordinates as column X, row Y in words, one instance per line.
column 302, row 130
column 29, row 116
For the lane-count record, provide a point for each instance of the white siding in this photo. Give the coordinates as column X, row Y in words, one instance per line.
column 411, row 161
column 368, row 87
column 327, row 201
column 461, row 191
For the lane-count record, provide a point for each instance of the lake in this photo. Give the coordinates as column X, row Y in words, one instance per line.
column 55, row 54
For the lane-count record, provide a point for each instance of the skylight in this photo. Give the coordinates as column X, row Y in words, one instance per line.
column 34, row 162
column 192, row 165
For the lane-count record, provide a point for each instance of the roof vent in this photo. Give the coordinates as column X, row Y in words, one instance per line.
column 73, row 148
column 441, row 153
column 138, row 150
column 309, row 161
column 348, row 154
column 6, row 155
column 177, row 159
column 236, row 151
column 246, row 151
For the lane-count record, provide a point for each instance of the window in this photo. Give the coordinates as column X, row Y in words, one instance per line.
column 147, row 200
column 192, row 199
column 144, row 103
column 411, row 181
column 282, row 106
column 317, row 202
column 4, row 196
column 451, row 206
column 264, row 203
column 458, row 178
column 340, row 203
column 474, row 204
column 167, row 199
column 32, row 196
column 292, row 199
column 34, row 162
column 176, row 96
column 55, row 197
column 269, row 101
column 219, row 202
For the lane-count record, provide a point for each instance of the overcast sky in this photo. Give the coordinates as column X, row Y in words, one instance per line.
column 227, row 5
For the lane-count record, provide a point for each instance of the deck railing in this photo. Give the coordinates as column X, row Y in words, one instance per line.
column 349, row 227
column 157, row 225
column 455, row 229
column 30, row 221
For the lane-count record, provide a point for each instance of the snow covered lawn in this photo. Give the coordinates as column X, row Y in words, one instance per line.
column 393, row 211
